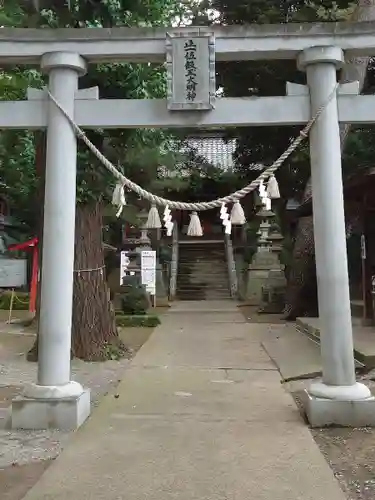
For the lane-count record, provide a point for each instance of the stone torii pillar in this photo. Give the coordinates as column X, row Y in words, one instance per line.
column 338, row 399
column 56, row 401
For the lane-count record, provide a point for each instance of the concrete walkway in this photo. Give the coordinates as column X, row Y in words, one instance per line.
column 200, row 415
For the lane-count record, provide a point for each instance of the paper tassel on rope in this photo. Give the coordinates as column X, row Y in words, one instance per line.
column 262, row 190
column 223, row 211
column 195, row 228
column 224, row 216
column 168, row 224
column 153, row 219
column 237, row 215
column 273, row 188
column 118, row 198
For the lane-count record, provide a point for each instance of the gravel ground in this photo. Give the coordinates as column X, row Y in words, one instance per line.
column 22, row 447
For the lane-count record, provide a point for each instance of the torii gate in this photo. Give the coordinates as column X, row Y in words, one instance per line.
column 64, row 54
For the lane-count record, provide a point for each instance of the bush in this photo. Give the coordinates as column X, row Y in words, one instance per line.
column 148, row 321
column 20, row 301
column 135, row 300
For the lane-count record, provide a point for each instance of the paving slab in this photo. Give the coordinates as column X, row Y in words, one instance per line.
column 158, row 459
column 221, row 346
column 282, row 340
column 190, row 430
column 363, row 339
column 235, row 394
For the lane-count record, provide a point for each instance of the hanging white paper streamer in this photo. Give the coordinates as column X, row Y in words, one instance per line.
column 168, row 224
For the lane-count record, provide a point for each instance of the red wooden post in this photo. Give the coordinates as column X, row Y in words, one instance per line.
column 35, row 269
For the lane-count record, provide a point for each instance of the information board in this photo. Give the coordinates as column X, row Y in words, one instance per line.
column 148, row 270
column 13, row 273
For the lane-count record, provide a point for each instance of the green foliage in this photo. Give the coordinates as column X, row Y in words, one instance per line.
column 135, row 300
column 147, row 321
column 165, row 254
column 268, row 78
column 20, row 301
column 139, row 152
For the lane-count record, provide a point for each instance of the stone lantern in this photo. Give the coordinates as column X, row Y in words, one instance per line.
column 273, row 290
column 144, row 242
column 262, row 261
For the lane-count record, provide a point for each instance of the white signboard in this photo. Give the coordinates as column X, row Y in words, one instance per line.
column 13, row 273
column 191, row 71
column 148, row 270
column 124, row 263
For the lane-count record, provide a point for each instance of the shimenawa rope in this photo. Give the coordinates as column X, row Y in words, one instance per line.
column 205, row 205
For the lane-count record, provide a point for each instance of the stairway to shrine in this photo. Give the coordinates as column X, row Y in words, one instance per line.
column 202, row 271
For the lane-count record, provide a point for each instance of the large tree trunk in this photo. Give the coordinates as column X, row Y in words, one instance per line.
column 94, row 333
column 301, row 297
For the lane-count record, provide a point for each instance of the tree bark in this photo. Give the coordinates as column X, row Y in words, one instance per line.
column 301, row 296
column 94, row 332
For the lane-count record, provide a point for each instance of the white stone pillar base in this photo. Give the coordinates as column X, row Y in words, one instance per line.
column 323, row 412
column 64, row 413
column 70, row 390
column 355, row 392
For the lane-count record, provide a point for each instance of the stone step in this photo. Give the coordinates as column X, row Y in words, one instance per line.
column 204, row 276
column 214, row 270
column 202, row 251
column 212, row 266
column 201, row 260
column 202, row 279
column 204, row 289
column 183, row 296
column 191, row 285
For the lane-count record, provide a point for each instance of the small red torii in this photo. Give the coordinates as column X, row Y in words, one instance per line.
column 33, row 243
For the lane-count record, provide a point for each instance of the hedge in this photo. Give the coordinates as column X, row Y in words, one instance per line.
column 148, row 321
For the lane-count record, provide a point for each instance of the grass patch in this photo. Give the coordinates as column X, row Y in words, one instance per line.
column 145, row 320
column 20, row 301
